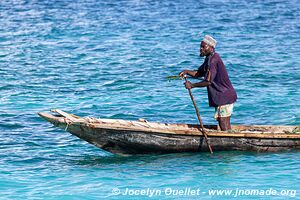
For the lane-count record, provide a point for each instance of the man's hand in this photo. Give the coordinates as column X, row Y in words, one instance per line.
column 183, row 74
column 188, row 85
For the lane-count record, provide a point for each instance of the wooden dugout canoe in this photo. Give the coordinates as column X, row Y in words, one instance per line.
column 141, row 137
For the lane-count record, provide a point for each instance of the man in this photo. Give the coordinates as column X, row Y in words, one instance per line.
column 221, row 93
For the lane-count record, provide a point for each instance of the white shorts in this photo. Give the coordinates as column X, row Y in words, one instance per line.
column 223, row 111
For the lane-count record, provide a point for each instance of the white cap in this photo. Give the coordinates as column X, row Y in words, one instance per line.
column 210, row 41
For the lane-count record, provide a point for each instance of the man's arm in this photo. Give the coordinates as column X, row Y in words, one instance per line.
column 188, row 72
column 208, row 78
column 189, row 85
column 201, row 84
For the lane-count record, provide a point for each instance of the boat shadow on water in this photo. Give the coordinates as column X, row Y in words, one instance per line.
column 202, row 158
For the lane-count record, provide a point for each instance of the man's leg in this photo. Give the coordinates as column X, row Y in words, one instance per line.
column 224, row 123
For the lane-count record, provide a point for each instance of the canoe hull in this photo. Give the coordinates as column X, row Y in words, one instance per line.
column 137, row 142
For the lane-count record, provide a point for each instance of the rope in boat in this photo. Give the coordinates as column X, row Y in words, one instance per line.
column 68, row 122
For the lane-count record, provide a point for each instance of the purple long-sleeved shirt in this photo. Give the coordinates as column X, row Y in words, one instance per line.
column 220, row 91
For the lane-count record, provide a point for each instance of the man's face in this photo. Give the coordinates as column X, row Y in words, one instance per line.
column 204, row 49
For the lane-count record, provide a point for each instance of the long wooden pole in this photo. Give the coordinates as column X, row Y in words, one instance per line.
column 199, row 118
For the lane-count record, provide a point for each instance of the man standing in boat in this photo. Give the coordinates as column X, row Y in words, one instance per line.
column 221, row 93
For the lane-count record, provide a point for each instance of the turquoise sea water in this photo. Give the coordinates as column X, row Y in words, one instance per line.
column 110, row 59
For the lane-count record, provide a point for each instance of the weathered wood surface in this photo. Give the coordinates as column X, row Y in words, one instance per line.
column 140, row 137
